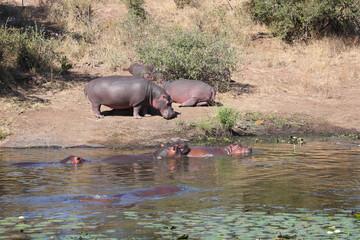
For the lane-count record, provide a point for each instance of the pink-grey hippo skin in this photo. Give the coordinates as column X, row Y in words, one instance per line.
column 147, row 71
column 75, row 160
column 232, row 150
column 132, row 197
column 166, row 151
column 140, row 70
column 189, row 92
column 122, row 92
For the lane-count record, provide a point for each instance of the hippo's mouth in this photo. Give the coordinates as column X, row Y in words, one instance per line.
column 168, row 114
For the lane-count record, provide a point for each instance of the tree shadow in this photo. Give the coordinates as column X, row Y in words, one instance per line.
column 238, row 89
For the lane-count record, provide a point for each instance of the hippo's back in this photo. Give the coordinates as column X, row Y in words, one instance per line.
column 183, row 89
column 121, row 91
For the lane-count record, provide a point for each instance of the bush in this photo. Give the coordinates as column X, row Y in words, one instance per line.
column 227, row 117
column 182, row 3
column 189, row 54
column 136, row 8
column 303, row 19
column 29, row 48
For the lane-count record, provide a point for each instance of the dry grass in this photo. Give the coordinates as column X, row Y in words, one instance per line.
column 320, row 69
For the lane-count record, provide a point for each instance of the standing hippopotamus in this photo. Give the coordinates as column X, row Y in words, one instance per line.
column 121, row 92
column 131, row 197
column 69, row 160
column 189, row 92
column 232, row 149
column 168, row 150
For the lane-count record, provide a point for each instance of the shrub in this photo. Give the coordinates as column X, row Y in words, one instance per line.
column 304, row 19
column 136, row 8
column 227, row 117
column 182, row 3
column 30, row 49
column 189, row 54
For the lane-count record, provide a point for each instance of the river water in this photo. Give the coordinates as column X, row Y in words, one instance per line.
column 310, row 191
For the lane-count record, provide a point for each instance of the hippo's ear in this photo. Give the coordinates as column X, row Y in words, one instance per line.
column 232, row 146
column 162, row 145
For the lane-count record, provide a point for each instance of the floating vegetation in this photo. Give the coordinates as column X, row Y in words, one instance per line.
column 238, row 223
column 42, row 228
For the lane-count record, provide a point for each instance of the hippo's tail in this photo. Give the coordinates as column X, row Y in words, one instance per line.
column 211, row 101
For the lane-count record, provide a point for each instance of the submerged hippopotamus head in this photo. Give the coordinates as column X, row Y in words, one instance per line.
column 183, row 146
column 163, row 104
column 237, row 148
column 73, row 160
column 168, row 150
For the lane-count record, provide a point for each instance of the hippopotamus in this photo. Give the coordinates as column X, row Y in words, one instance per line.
column 137, row 195
column 121, row 92
column 75, row 160
column 168, row 150
column 232, row 149
column 189, row 92
column 147, row 71
column 140, row 70
column 199, row 151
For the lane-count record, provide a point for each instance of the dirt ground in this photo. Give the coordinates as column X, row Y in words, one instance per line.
column 65, row 118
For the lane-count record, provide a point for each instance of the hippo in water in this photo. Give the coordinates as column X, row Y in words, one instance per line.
column 122, row 92
column 75, row 160
column 232, row 149
column 168, row 150
column 131, row 197
column 199, row 151
column 189, row 92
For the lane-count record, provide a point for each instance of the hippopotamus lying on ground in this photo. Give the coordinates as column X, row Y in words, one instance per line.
column 189, row 92
column 199, row 151
column 137, row 195
column 75, row 160
column 168, row 150
column 121, row 92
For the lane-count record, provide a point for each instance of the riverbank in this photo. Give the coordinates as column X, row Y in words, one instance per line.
column 63, row 117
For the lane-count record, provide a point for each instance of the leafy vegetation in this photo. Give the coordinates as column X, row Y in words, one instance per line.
column 182, row 3
column 190, row 54
column 30, row 49
column 2, row 135
column 302, row 19
column 228, row 122
column 136, row 8
column 227, row 117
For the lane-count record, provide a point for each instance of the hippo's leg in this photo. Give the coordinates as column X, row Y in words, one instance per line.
column 96, row 110
column 189, row 103
column 202, row 104
column 136, row 111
